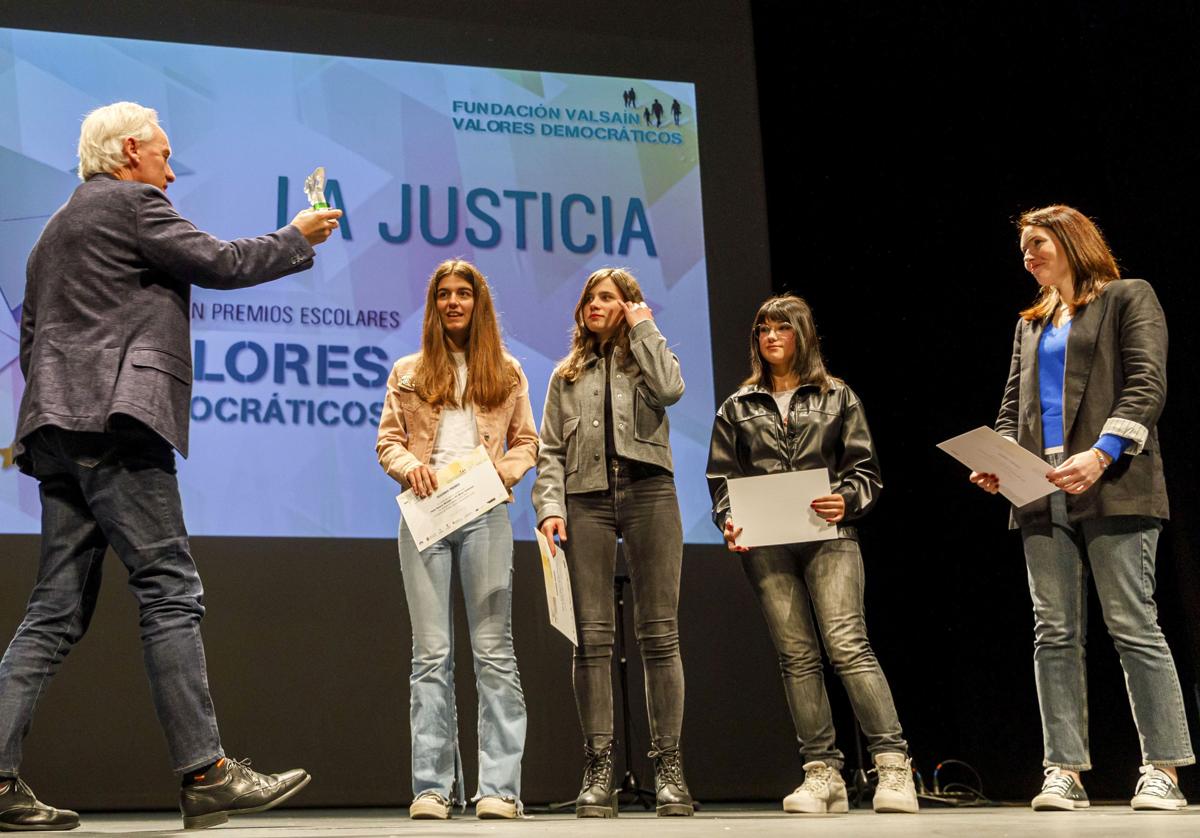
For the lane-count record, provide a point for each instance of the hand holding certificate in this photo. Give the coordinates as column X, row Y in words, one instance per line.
column 558, row 588
column 775, row 508
column 467, row 488
column 1022, row 474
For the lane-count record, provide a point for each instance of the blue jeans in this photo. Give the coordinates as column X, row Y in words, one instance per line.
column 97, row 490
column 792, row 581
column 483, row 552
column 1120, row 552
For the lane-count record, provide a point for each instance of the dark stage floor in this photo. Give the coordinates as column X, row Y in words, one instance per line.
column 1009, row 822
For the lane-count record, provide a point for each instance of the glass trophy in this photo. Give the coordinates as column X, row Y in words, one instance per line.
column 314, row 188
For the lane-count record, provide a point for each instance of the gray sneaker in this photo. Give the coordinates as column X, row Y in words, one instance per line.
column 1060, row 792
column 1156, row 790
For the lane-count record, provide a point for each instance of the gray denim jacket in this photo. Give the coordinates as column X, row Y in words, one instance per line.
column 645, row 381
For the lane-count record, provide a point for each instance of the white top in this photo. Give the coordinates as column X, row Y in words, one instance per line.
column 457, row 434
column 784, row 399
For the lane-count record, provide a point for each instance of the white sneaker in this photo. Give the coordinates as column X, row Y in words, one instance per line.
column 1156, row 790
column 895, row 791
column 1060, row 792
column 429, row 805
column 823, row 790
column 497, row 808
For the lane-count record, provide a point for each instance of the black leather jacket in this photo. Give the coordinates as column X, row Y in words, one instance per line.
column 824, row 430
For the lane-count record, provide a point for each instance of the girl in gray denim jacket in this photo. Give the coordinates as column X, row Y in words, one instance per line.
column 605, row 469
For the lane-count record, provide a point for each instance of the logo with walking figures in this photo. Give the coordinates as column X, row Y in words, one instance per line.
column 641, row 119
column 653, row 112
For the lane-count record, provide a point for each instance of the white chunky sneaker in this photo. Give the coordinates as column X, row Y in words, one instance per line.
column 823, row 790
column 1060, row 792
column 429, row 805
column 1156, row 790
column 493, row 807
column 895, row 791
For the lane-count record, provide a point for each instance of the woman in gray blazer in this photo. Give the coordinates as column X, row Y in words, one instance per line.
column 1085, row 388
column 605, row 470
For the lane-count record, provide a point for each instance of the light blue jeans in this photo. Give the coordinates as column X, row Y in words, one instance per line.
column 483, row 552
column 1120, row 553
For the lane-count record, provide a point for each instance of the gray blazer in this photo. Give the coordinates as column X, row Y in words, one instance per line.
column 645, row 381
column 105, row 326
column 1115, row 382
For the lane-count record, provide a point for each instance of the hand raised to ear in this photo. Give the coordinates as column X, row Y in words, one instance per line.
column 637, row 312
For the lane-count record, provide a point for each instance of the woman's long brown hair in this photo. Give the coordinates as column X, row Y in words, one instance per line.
column 584, row 342
column 490, row 375
column 1092, row 263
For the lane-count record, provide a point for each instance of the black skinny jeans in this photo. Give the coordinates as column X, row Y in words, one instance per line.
column 645, row 513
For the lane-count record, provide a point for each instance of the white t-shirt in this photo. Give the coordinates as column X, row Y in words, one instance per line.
column 784, row 399
column 457, row 434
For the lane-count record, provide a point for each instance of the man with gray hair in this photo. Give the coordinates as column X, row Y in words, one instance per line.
column 106, row 354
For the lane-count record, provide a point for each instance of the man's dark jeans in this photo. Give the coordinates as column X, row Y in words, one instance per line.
column 645, row 513
column 97, row 490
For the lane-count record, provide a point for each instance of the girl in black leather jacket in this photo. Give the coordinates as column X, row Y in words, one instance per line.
column 791, row 415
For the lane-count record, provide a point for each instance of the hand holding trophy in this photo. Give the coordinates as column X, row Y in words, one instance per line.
column 318, row 222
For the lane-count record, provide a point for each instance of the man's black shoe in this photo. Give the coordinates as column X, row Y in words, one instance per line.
column 233, row 788
column 20, row 811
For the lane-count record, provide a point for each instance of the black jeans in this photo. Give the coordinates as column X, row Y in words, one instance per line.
column 645, row 513
column 118, row 489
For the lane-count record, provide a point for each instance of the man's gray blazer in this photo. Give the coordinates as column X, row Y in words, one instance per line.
column 105, row 327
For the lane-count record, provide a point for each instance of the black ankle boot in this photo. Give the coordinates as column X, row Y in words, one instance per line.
column 596, row 798
column 671, row 791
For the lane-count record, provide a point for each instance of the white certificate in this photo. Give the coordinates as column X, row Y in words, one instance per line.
column 467, row 488
column 558, row 588
column 1022, row 474
column 775, row 508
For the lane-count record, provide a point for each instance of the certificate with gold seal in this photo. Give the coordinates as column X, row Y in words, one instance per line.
column 467, row 488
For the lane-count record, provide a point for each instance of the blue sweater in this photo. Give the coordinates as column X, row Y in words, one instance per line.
column 1052, row 363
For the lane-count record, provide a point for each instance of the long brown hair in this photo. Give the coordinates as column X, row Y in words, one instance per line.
column 808, row 364
column 585, row 342
column 490, row 375
column 1092, row 263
